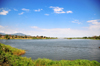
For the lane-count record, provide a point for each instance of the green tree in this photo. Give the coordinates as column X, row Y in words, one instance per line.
column 12, row 36
column 41, row 36
column 85, row 37
column 0, row 35
column 7, row 37
column 25, row 36
column 15, row 36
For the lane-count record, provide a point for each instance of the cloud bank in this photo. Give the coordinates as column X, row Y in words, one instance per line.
column 92, row 30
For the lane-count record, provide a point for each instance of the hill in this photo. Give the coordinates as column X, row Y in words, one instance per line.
column 19, row 34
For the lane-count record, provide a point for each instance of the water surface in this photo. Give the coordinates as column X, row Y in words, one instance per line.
column 58, row 49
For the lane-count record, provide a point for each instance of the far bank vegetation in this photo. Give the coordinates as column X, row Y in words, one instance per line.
column 25, row 37
column 93, row 37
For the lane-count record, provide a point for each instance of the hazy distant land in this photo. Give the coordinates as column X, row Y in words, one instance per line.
column 23, row 36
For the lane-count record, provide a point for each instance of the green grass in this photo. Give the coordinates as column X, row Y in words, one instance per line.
column 8, row 58
column 15, row 51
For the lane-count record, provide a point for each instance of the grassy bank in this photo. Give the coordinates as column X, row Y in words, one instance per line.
column 10, row 56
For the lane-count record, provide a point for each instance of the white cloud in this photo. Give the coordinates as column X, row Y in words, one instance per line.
column 24, row 9
column 94, row 24
column 21, row 13
column 1, row 9
column 64, row 32
column 54, row 32
column 69, row 12
column 2, row 31
column 38, row 10
column 9, row 30
column 15, row 9
column 1, row 26
column 4, row 12
column 57, row 9
column 35, row 27
column 91, row 30
column 76, row 21
column 46, row 14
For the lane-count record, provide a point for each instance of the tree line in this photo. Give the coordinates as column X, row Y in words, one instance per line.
column 93, row 37
column 24, row 37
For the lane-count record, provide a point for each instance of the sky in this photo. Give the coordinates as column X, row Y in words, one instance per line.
column 52, row 18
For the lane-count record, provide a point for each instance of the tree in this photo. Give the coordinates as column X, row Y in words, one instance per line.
column 0, row 35
column 85, row 37
column 25, row 36
column 7, row 37
column 41, row 36
column 15, row 36
column 12, row 36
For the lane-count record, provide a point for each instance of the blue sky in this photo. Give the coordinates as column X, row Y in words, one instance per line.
column 58, row 18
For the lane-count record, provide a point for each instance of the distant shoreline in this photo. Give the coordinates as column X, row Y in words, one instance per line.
column 25, row 37
column 31, row 38
column 94, row 38
column 80, row 38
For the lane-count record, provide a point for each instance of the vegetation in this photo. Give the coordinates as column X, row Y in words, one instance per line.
column 69, row 38
column 9, row 56
column 14, row 51
column 7, row 37
column 24, row 37
column 94, row 37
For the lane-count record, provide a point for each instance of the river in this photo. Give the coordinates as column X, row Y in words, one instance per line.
column 58, row 49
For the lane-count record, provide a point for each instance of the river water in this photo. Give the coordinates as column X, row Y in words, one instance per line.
column 58, row 49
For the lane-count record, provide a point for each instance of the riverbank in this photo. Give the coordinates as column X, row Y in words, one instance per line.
column 30, row 38
column 11, row 57
column 82, row 38
column 93, row 38
column 24, row 37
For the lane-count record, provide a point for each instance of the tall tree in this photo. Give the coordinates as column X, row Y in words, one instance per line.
column 7, row 37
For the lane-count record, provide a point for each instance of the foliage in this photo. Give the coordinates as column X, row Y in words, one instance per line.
column 7, row 58
column 85, row 37
column 7, row 37
column 94, row 37
column 69, row 38
column 13, row 50
column 24, row 37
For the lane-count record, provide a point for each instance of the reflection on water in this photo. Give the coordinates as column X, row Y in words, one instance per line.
column 58, row 49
